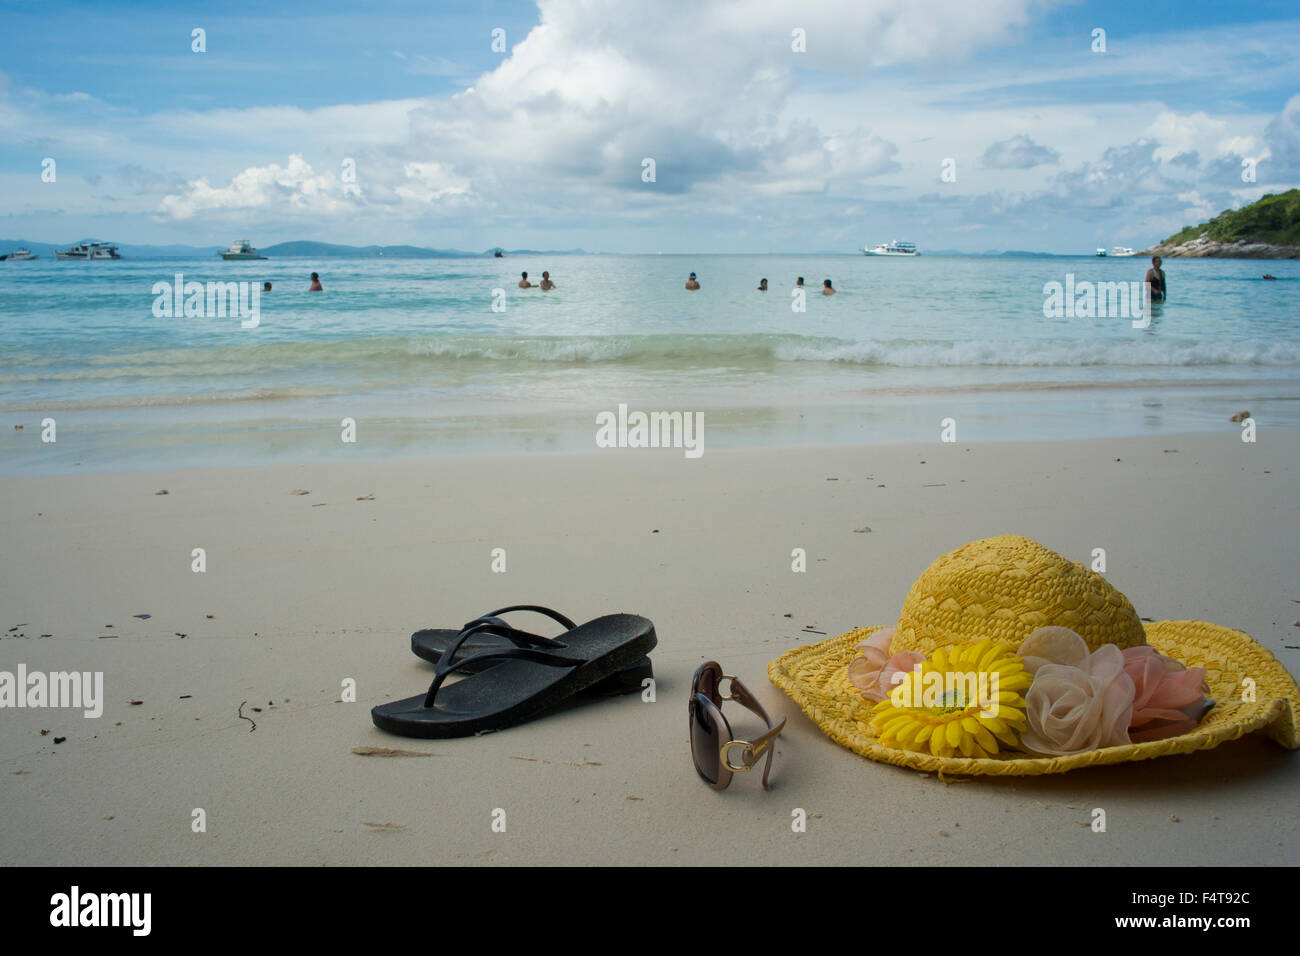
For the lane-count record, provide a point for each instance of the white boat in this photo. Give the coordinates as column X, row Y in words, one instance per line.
column 1101, row 253
column 89, row 250
column 19, row 255
column 894, row 248
column 242, row 249
column 1122, row 252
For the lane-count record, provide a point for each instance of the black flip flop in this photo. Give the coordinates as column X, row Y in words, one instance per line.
column 525, row 682
column 430, row 644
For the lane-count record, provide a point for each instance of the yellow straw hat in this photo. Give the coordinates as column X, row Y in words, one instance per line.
column 1003, row 589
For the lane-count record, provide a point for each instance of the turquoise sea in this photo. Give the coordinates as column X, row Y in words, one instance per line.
column 414, row 352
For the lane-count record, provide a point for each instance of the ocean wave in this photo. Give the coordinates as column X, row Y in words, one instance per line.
column 396, row 358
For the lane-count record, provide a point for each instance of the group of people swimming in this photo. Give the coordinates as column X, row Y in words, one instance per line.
column 692, row 284
column 1155, row 278
column 546, row 285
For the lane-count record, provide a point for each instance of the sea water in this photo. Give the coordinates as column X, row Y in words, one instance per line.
column 449, row 356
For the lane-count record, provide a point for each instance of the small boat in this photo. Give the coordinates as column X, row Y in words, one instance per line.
column 498, row 254
column 1122, row 252
column 1101, row 253
column 241, row 249
column 19, row 255
column 894, row 248
column 89, row 250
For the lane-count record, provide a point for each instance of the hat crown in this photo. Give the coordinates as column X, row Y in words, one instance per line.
column 1005, row 588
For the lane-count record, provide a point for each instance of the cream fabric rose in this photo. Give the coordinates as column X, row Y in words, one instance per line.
column 1080, row 704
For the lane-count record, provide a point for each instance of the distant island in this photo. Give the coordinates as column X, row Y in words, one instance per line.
column 1268, row 228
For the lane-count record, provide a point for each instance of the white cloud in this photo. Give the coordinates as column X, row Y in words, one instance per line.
column 273, row 188
column 429, row 183
column 1195, row 132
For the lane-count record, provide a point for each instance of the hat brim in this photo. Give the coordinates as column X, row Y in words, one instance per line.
column 816, row 678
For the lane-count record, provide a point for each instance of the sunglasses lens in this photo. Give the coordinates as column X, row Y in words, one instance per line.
column 705, row 742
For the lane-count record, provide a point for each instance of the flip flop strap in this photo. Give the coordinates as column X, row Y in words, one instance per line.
column 447, row 664
column 500, row 628
column 537, row 608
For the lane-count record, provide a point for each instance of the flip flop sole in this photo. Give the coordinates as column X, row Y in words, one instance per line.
column 515, row 691
column 428, row 644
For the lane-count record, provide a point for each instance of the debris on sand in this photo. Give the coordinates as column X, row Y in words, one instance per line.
column 143, row 617
column 163, row 492
column 300, row 491
column 249, row 719
column 369, row 497
column 390, row 752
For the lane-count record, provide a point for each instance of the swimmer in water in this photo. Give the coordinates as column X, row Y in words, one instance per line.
column 1156, row 281
column 524, row 283
column 315, row 283
column 547, row 284
column 798, row 283
column 762, row 285
column 827, row 288
column 691, row 282
column 266, row 287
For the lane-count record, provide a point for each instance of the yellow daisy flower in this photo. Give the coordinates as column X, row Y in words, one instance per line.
column 966, row 699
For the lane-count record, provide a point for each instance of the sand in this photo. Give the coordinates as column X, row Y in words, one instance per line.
column 303, row 592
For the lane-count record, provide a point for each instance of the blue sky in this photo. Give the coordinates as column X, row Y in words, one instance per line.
column 757, row 147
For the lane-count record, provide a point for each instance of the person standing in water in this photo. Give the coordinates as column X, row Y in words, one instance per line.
column 315, row 283
column 827, row 288
column 523, row 282
column 762, row 285
column 692, row 283
column 547, row 284
column 798, row 283
column 1156, row 281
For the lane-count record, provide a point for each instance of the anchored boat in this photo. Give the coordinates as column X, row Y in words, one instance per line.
column 242, row 249
column 894, row 248
column 89, row 250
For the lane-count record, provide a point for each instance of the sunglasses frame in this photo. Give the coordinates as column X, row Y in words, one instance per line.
column 711, row 706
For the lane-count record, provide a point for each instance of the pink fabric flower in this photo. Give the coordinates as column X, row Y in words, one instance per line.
column 1082, row 703
column 873, row 672
column 1168, row 698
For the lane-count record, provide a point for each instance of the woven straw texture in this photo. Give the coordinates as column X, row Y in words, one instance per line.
column 1005, row 588
column 992, row 588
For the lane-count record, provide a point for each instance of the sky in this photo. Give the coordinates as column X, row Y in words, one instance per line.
column 677, row 126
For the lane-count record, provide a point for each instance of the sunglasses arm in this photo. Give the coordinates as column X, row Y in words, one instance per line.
column 741, row 694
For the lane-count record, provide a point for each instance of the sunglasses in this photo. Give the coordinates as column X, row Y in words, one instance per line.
column 712, row 743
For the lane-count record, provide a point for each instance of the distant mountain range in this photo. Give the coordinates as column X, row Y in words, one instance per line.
column 307, row 249
column 287, row 250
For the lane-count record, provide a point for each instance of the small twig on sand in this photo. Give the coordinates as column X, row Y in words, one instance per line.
column 249, row 719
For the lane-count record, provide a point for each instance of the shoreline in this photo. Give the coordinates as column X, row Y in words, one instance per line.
column 305, row 432
column 309, row 590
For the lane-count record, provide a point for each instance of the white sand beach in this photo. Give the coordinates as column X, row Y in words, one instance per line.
column 302, row 592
